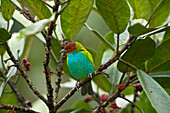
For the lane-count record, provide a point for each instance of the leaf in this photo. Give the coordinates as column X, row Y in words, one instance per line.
column 4, row 35
column 101, row 37
column 27, row 47
column 158, row 97
column 163, row 80
column 160, row 61
column 101, row 80
column 7, row 9
column 2, row 50
column 138, row 29
column 143, row 8
column 74, row 16
column 38, row 8
column 10, row 73
column 81, row 104
column 103, row 47
column 16, row 3
column 160, row 14
column 116, row 14
column 141, row 103
column 137, row 54
column 167, row 35
column 35, row 27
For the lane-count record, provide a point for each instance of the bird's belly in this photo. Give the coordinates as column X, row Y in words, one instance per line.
column 80, row 66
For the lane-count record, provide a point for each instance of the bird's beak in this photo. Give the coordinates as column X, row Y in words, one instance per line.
column 63, row 51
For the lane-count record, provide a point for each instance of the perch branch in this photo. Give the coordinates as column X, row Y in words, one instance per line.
column 99, row 70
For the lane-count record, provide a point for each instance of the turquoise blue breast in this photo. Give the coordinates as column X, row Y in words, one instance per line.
column 79, row 65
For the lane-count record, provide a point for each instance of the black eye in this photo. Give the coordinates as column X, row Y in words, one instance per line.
column 69, row 47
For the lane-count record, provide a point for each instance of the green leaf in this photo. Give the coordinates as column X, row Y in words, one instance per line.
column 158, row 97
column 4, row 35
column 103, row 47
column 163, row 80
column 138, row 29
column 7, row 9
column 167, row 35
column 160, row 60
column 10, row 73
column 137, row 54
column 81, row 104
column 74, row 16
column 116, row 14
column 141, row 103
column 101, row 37
column 160, row 14
column 38, row 8
column 101, row 80
column 27, row 47
column 2, row 50
column 143, row 8
column 16, row 3
column 35, row 27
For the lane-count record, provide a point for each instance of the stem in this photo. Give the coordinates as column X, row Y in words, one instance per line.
column 128, row 63
column 121, row 79
column 132, row 103
column 3, row 66
column 17, row 107
column 100, row 37
column 117, row 42
column 20, row 98
column 7, row 26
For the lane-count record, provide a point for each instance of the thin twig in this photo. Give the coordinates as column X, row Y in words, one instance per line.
column 121, row 79
column 23, row 73
column 59, row 73
column 117, row 42
column 47, row 4
column 17, row 107
column 128, row 63
column 20, row 98
column 132, row 103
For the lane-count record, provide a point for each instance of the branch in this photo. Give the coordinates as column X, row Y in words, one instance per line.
column 23, row 73
column 132, row 103
column 20, row 98
column 16, row 107
column 99, row 70
column 59, row 73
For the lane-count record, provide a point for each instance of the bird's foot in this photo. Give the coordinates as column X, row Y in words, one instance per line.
column 77, row 85
column 90, row 75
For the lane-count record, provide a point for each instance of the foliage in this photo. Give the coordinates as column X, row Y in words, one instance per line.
column 130, row 46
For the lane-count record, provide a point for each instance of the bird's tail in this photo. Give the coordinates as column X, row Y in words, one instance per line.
column 87, row 88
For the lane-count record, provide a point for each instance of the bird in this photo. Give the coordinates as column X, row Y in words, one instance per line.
column 80, row 64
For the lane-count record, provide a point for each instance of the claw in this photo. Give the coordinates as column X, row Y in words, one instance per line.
column 77, row 85
column 90, row 75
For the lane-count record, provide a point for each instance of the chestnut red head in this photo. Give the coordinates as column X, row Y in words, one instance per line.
column 69, row 48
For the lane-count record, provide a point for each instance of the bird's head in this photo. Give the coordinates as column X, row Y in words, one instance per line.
column 71, row 47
